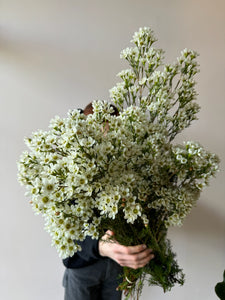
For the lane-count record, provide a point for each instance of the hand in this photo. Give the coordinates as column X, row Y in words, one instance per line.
column 132, row 256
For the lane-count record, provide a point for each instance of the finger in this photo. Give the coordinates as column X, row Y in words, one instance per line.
column 134, row 257
column 134, row 249
column 142, row 263
column 139, row 263
column 141, row 257
column 109, row 232
column 145, row 259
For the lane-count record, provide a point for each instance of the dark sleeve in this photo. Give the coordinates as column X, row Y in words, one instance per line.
column 88, row 255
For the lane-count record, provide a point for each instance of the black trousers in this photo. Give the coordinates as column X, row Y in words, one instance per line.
column 95, row 282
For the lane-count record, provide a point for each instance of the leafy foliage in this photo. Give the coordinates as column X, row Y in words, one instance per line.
column 220, row 288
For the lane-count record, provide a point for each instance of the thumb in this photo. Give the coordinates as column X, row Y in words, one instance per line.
column 110, row 232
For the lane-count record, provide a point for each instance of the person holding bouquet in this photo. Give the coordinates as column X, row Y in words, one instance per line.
column 94, row 272
column 111, row 180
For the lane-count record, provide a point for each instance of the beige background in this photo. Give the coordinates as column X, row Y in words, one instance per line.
column 56, row 55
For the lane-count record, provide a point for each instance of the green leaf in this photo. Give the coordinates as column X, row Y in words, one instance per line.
column 220, row 288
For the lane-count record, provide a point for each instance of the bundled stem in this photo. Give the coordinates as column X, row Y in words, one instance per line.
column 163, row 270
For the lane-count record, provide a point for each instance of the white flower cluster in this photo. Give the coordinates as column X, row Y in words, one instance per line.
column 79, row 175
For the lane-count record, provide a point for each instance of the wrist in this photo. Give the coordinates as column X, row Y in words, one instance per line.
column 101, row 248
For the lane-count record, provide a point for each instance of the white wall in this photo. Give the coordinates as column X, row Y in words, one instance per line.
column 56, row 55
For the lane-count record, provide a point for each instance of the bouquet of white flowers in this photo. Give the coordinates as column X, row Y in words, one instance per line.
column 132, row 180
